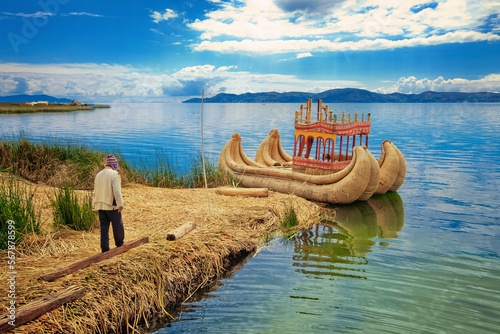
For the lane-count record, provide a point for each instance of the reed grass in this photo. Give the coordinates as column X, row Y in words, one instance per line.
column 161, row 169
column 16, row 108
column 290, row 219
column 17, row 205
column 215, row 176
column 153, row 279
column 71, row 210
column 133, row 289
column 60, row 161
column 51, row 160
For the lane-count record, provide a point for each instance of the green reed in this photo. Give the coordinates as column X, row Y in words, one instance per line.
column 51, row 160
column 60, row 161
column 17, row 205
column 16, row 108
column 71, row 211
column 163, row 170
column 290, row 219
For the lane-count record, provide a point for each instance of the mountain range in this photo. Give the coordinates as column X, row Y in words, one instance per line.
column 33, row 98
column 351, row 95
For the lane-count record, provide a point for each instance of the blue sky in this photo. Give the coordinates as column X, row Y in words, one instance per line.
column 104, row 51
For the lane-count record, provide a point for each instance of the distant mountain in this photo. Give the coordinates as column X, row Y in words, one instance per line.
column 33, row 98
column 351, row 95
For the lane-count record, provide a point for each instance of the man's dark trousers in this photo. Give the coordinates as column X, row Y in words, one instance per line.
column 115, row 218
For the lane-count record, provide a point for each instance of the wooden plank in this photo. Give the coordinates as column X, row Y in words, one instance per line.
column 93, row 259
column 35, row 309
column 181, row 231
column 253, row 192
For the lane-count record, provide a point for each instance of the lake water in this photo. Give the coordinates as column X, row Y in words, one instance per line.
column 423, row 260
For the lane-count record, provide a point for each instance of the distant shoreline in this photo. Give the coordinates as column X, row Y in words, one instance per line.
column 352, row 95
column 16, row 108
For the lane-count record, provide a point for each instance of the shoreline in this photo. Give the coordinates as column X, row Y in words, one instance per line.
column 136, row 287
column 8, row 108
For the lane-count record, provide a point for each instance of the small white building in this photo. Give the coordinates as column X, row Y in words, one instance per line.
column 43, row 103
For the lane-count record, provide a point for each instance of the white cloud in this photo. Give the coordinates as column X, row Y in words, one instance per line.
column 37, row 14
column 304, row 55
column 322, row 45
column 412, row 85
column 254, row 25
column 298, row 56
column 108, row 82
column 158, row 17
column 111, row 81
column 84, row 14
column 156, row 31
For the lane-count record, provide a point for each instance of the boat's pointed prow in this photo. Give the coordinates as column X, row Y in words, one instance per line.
column 374, row 177
column 392, row 168
column 400, row 178
column 271, row 153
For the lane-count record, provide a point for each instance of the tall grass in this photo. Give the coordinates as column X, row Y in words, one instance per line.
column 17, row 204
column 290, row 219
column 54, row 161
column 163, row 170
column 15, row 108
column 215, row 177
column 59, row 162
column 72, row 212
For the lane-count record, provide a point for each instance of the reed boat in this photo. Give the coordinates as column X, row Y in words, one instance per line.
column 321, row 168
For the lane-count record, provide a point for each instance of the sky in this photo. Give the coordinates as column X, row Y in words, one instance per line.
column 168, row 51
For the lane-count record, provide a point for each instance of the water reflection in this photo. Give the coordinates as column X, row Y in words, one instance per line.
column 381, row 216
column 337, row 247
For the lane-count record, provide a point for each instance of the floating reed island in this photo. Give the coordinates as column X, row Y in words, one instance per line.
column 148, row 282
column 29, row 108
column 181, row 238
column 321, row 168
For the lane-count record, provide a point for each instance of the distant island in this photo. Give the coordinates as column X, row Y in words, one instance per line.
column 21, row 104
column 351, row 95
column 33, row 98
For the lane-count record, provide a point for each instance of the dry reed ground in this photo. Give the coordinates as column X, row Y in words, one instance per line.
column 152, row 279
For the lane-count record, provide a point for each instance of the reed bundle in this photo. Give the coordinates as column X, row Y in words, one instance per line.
column 153, row 279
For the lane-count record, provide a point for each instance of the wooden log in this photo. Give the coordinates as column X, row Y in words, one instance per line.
column 253, row 192
column 35, row 309
column 93, row 259
column 181, row 231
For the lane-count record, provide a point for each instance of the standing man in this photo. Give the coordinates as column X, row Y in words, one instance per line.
column 108, row 201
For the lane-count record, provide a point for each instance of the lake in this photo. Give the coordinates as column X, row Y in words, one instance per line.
column 423, row 260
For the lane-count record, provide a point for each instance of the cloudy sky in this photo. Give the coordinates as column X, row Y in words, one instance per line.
column 153, row 50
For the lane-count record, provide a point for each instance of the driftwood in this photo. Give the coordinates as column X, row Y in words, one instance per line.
column 253, row 192
column 35, row 309
column 181, row 231
column 93, row 259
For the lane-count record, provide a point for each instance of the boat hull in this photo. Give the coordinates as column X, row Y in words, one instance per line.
column 363, row 177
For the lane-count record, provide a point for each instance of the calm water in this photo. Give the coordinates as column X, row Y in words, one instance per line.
column 424, row 260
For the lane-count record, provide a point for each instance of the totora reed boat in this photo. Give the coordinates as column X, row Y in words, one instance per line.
column 321, row 168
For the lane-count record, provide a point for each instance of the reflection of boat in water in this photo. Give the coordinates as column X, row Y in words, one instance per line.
column 338, row 248
column 321, row 168
column 381, row 216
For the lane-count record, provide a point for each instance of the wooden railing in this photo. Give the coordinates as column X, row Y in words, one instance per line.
column 304, row 116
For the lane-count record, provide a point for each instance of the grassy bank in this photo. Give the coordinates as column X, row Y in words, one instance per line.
column 150, row 281
column 16, row 108
column 52, row 161
column 17, row 206
column 58, row 162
